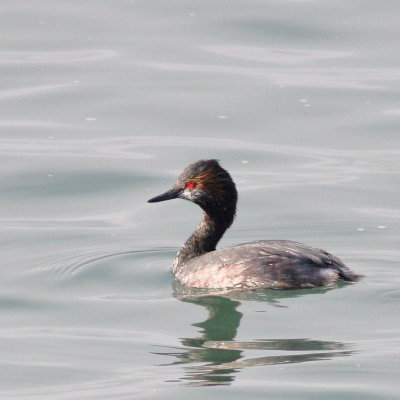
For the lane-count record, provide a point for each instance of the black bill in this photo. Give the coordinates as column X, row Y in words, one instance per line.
column 171, row 194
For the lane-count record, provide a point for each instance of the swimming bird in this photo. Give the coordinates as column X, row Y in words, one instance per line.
column 275, row 264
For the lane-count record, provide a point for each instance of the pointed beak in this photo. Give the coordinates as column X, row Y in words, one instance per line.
column 169, row 195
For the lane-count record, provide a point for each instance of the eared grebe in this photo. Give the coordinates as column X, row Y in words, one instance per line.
column 277, row 264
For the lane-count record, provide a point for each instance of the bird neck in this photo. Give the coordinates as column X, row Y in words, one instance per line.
column 206, row 236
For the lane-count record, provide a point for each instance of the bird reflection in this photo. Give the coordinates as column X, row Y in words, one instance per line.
column 215, row 358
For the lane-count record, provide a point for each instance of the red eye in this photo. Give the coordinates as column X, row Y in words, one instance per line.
column 190, row 185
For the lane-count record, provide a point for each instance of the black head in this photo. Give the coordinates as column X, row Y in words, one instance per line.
column 205, row 183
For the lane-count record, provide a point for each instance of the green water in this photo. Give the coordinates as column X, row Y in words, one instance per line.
column 103, row 104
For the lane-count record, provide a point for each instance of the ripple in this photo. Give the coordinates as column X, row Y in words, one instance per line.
column 357, row 160
column 99, row 221
column 303, row 165
column 285, row 56
column 73, row 333
column 54, row 57
column 112, row 276
column 104, row 148
column 32, row 91
column 277, row 344
column 58, row 362
column 13, row 303
column 96, row 261
column 392, row 213
column 318, row 77
column 31, row 124
column 125, row 387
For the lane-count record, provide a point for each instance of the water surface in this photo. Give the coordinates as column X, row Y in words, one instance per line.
column 102, row 105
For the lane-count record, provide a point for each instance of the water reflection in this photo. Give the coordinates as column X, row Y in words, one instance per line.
column 215, row 357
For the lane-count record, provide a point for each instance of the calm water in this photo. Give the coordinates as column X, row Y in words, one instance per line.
column 103, row 103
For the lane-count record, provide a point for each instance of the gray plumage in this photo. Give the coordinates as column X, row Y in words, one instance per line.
column 277, row 264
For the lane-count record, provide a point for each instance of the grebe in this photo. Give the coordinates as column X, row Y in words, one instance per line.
column 275, row 264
